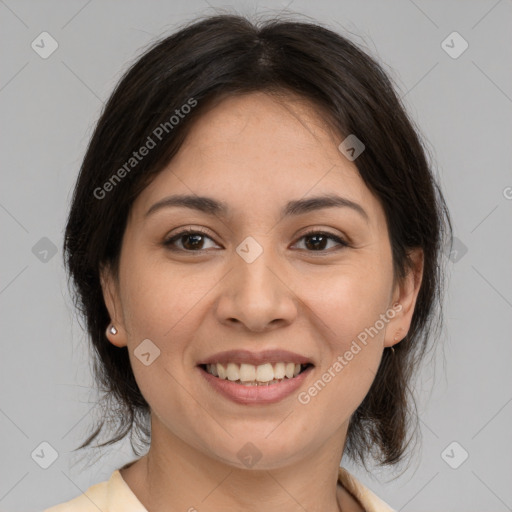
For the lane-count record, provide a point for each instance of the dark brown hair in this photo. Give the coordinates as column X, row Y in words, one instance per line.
column 203, row 62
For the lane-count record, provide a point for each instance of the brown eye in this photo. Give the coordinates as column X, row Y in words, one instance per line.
column 189, row 239
column 316, row 241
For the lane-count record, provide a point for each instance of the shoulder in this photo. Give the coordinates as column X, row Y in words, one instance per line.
column 364, row 496
column 93, row 499
column 112, row 495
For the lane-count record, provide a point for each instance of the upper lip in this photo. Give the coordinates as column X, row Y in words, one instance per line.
column 256, row 358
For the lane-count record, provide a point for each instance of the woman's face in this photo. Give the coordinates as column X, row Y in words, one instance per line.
column 252, row 281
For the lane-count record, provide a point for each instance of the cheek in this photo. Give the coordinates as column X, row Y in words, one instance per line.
column 159, row 307
column 352, row 332
column 161, row 304
column 351, row 300
column 158, row 297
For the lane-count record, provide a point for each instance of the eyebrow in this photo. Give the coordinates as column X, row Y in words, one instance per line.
column 212, row 206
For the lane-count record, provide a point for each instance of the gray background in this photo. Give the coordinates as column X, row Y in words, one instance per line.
column 463, row 106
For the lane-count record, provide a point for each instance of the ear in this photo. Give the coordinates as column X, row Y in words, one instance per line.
column 405, row 293
column 110, row 288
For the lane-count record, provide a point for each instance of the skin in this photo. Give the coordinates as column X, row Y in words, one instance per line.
column 255, row 153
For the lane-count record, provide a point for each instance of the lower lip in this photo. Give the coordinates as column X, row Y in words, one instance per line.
column 257, row 395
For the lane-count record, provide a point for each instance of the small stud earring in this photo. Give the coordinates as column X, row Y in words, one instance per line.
column 397, row 334
column 113, row 330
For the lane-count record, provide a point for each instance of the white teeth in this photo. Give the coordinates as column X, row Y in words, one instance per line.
column 265, row 373
column 290, row 369
column 247, row 372
column 251, row 375
column 279, row 371
column 221, row 370
column 233, row 371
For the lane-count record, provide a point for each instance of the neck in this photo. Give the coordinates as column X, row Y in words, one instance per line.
column 173, row 476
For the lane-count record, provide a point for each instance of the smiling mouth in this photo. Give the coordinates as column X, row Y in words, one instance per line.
column 251, row 375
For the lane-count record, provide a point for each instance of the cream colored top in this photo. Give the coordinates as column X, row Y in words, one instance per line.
column 114, row 495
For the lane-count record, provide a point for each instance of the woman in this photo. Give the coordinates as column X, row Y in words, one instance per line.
column 255, row 241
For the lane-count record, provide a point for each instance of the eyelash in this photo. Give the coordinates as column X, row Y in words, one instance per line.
column 168, row 243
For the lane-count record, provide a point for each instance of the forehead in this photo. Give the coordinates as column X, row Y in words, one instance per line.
column 256, row 152
column 259, row 127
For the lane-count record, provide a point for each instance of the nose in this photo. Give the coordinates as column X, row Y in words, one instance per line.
column 257, row 296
